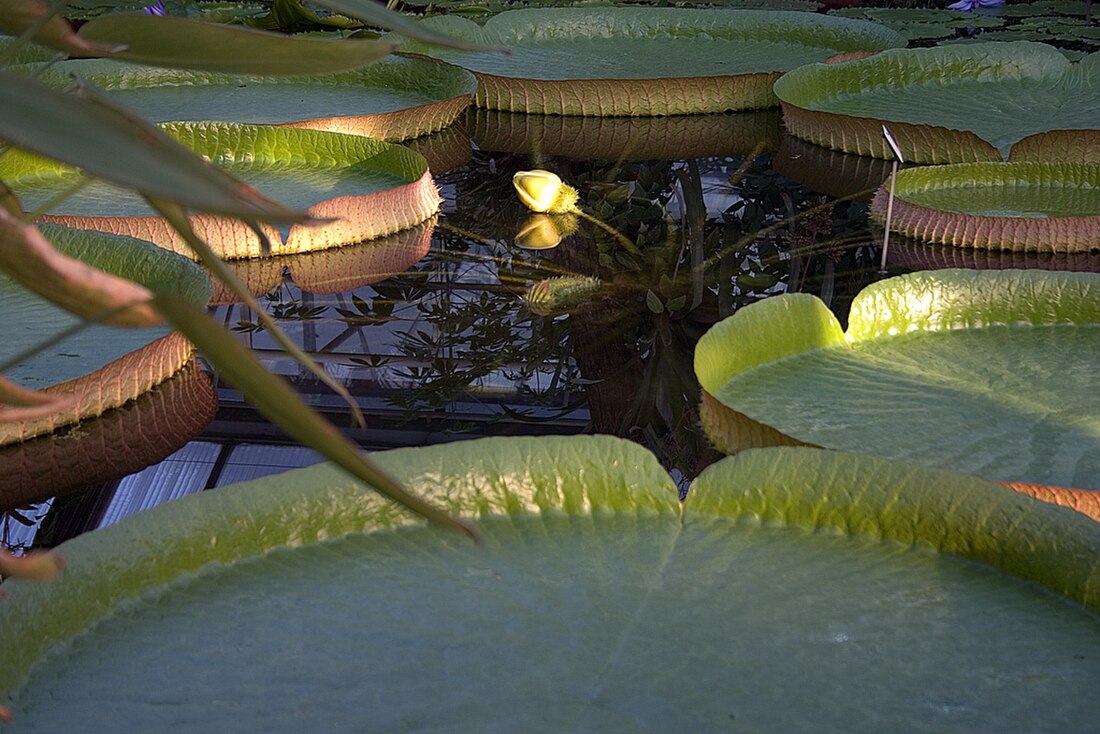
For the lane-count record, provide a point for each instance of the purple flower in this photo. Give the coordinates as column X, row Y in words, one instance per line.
column 158, row 8
column 975, row 4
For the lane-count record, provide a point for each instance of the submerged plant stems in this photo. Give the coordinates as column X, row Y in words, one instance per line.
column 619, row 236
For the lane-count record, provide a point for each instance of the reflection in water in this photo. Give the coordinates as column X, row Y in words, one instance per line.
column 438, row 344
column 449, row 347
column 334, row 270
column 831, row 172
column 625, row 138
column 914, row 255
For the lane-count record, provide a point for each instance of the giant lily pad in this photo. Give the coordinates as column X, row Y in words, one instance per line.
column 367, row 187
column 391, row 100
column 643, row 61
column 100, row 367
column 119, row 442
column 593, row 605
column 982, row 372
column 626, row 138
column 951, row 104
column 1043, row 207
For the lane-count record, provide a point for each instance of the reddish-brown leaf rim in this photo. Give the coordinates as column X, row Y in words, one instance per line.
column 731, row 431
column 1084, row 501
column 831, row 172
column 396, row 126
column 627, row 97
column 914, row 255
column 355, row 218
column 863, row 136
column 1029, row 234
column 119, row 442
column 110, row 386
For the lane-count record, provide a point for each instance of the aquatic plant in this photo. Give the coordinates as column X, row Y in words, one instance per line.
column 544, row 192
column 945, row 104
column 774, row 558
column 1022, row 206
column 563, row 293
column 584, row 61
column 983, row 372
column 544, row 231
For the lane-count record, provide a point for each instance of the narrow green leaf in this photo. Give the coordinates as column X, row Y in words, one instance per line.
column 276, row 399
column 20, row 16
column 186, row 43
column 29, row 259
column 178, row 220
column 108, row 142
column 378, row 14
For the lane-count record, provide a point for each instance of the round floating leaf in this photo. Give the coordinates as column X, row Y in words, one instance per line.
column 99, row 367
column 1034, row 207
column 983, row 372
column 951, row 104
column 392, row 100
column 119, row 442
column 626, row 138
column 585, row 61
column 592, row 606
column 368, row 189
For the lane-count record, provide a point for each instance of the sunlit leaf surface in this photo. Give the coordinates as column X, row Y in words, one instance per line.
column 982, row 372
column 636, row 617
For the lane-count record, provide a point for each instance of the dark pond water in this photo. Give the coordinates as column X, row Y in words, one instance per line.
column 431, row 332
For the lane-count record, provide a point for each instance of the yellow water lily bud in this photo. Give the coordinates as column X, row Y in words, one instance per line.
column 544, row 192
column 543, row 231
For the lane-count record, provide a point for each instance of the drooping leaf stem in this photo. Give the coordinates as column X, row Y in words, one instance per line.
column 173, row 214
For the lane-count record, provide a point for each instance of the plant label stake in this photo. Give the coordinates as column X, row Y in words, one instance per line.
column 898, row 158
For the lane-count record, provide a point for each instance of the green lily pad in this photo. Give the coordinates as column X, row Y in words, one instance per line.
column 592, row 606
column 951, row 104
column 393, row 100
column 626, row 138
column 101, row 367
column 585, row 61
column 982, row 372
column 367, row 187
column 28, row 53
column 1044, row 207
